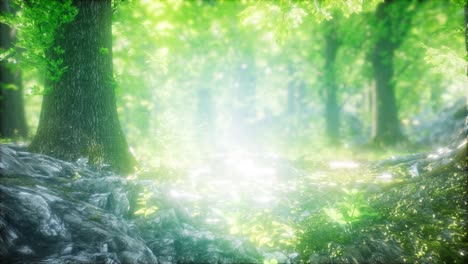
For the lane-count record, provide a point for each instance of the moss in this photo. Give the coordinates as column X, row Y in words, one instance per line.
column 95, row 217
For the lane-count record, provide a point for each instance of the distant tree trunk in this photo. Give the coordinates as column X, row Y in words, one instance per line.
column 301, row 100
column 295, row 104
column 386, row 125
column 292, row 99
column 79, row 115
column 244, row 111
column 466, row 47
column 292, row 93
column 205, row 117
column 246, row 89
column 13, row 121
column 332, row 110
column 466, row 33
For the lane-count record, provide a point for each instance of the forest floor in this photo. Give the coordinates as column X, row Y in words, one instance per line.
column 410, row 208
column 241, row 207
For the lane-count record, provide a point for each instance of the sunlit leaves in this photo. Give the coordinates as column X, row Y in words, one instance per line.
column 335, row 215
column 143, row 202
column 39, row 24
column 262, row 229
column 445, row 60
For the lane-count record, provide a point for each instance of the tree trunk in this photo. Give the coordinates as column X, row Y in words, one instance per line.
column 386, row 125
column 79, row 115
column 13, row 120
column 332, row 110
column 466, row 47
column 292, row 93
column 246, row 89
column 466, row 33
column 205, row 117
column 244, row 111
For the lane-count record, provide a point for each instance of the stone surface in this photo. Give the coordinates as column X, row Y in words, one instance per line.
column 52, row 211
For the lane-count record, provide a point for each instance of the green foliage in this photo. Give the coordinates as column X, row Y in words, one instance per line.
column 428, row 218
column 342, row 222
column 262, row 229
column 39, row 24
column 165, row 52
column 146, row 208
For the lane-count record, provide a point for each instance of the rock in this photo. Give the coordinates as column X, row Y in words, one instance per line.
column 52, row 211
column 38, row 227
column 440, row 130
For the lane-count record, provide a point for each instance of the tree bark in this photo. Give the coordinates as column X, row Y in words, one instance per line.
column 386, row 125
column 332, row 110
column 79, row 115
column 13, row 120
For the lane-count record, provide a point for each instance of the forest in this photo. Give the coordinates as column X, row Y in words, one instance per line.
column 233, row 131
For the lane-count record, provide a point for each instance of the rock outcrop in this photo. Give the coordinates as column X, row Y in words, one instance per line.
column 52, row 211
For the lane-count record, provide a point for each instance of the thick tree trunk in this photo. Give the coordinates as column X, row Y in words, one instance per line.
column 13, row 120
column 386, row 125
column 332, row 110
column 79, row 116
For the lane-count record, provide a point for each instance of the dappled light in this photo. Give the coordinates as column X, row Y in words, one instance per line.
column 225, row 131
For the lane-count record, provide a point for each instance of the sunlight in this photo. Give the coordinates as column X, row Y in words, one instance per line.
column 184, row 195
column 233, row 177
column 243, row 164
column 240, row 131
column 385, row 177
column 343, row 164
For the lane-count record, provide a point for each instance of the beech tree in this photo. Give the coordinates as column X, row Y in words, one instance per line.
column 79, row 115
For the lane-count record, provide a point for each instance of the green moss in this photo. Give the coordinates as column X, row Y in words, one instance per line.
column 95, row 217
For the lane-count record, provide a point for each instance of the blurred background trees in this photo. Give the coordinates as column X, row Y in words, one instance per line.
column 13, row 120
column 197, row 77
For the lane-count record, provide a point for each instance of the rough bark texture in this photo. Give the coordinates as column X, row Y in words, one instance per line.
column 79, row 116
column 332, row 110
column 13, row 121
column 386, row 125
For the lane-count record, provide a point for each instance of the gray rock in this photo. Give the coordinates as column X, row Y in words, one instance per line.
column 52, row 211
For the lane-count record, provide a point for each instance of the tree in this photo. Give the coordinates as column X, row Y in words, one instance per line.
column 79, row 115
column 245, row 85
column 466, row 34
column 393, row 19
column 13, row 121
column 332, row 109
